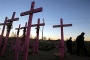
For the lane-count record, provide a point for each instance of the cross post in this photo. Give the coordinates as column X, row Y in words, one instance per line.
column 30, row 13
column 2, row 30
column 62, row 47
column 37, row 34
column 16, row 47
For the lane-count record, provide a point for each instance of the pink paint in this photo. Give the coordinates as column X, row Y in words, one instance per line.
column 30, row 13
column 7, row 35
column 62, row 47
column 1, row 37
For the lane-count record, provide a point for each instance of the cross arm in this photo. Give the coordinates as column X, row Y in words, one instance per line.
column 15, row 19
column 65, row 25
column 31, row 11
column 3, row 23
column 20, row 28
column 56, row 26
column 42, row 24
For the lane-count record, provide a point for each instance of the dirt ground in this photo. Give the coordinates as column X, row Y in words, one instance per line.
column 42, row 55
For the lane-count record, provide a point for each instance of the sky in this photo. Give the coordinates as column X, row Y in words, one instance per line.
column 75, row 12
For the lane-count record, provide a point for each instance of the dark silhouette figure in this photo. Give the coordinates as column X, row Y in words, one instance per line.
column 69, row 45
column 81, row 44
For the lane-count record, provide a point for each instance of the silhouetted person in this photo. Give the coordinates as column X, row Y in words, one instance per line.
column 69, row 45
column 81, row 44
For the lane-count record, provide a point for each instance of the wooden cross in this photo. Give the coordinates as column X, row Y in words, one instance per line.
column 30, row 13
column 37, row 36
column 7, row 35
column 17, row 46
column 62, row 36
column 2, row 30
column 35, row 44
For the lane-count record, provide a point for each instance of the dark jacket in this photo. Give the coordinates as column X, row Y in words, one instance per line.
column 80, row 40
column 69, row 43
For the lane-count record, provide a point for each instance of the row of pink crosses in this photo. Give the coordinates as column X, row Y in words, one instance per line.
column 28, row 26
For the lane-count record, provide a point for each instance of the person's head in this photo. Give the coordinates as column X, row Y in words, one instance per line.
column 82, row 33
column 70, row 38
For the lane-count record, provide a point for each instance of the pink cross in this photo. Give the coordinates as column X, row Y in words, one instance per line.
column 61, row 51
column 37, row 39
column 37, row 36
column 30, row 12
column 17, row 46
column 7, row 35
